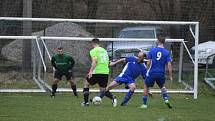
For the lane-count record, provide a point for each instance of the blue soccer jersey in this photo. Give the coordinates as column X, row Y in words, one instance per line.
column 159, row 58
column 132, row 70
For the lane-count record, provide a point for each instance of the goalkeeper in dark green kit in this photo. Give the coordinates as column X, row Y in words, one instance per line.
column 63, row 64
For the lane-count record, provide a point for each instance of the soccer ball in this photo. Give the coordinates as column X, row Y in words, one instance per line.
column 97, row 100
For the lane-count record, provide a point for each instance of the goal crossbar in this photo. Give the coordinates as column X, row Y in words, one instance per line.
column 97, row 21
column 86, row 38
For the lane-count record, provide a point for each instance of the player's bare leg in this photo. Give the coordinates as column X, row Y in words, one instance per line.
column 108, row 94
column 112, row 85
column 106, row 90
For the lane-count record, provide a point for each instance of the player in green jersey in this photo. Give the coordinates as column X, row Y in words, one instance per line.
column 63, row 64
column 98, row 73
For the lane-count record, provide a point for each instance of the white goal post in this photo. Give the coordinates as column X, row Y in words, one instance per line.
column 195, row 35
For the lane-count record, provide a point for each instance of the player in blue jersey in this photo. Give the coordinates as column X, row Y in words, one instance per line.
column 134, row 67
column 158, row 58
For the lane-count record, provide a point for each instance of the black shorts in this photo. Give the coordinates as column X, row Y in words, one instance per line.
column 58, row 75
column 101, row 79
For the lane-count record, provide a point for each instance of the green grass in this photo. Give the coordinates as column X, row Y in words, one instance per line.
column 17, row 80
column 40, row 107
column 18, row 85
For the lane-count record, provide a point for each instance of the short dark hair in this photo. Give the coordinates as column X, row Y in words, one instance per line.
column 161, row 39
column 95, row 40
column 59, row 47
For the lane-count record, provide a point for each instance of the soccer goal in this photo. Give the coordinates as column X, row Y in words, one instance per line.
column 121, row 38
column 209, row 72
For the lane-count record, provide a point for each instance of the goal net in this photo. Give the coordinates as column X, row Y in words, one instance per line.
column 30, row 49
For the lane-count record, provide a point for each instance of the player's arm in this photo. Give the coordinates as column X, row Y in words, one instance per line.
column 53, row 63
column 148, row 63
column 122, row 60
column 72, row 62
column 149, row 59
column 93, row 66
column 169, row 66
column 144, row 71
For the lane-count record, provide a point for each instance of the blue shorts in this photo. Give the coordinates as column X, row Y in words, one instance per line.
column 151, row 79
column 125, row 81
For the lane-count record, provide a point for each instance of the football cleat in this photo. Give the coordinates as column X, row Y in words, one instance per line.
column 143, row 106
column 83, row 104
column 123, row 104
column 76, row 95
column 168, row 104
column 114, row 102
column 52, row 95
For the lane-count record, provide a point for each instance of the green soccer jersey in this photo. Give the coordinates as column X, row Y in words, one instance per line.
column 102, row 60
column 62, row 62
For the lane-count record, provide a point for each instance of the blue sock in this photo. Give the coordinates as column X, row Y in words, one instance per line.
column 164, row 94
column 145, row 100
column 127, row 97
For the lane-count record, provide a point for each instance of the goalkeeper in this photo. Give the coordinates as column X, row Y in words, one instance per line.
column 63, row 64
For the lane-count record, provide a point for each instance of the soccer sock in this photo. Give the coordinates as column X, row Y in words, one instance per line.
column 145, row 100
column 127, row 97
column 101, row 94
column 74, row 90
column 164, row 94
column 86, row 94
column 54, row 88
column 109, row 95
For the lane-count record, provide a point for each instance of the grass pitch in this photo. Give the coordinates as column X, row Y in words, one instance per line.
column 65, row 107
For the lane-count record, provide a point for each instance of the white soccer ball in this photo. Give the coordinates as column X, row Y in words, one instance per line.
column 97, row 100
